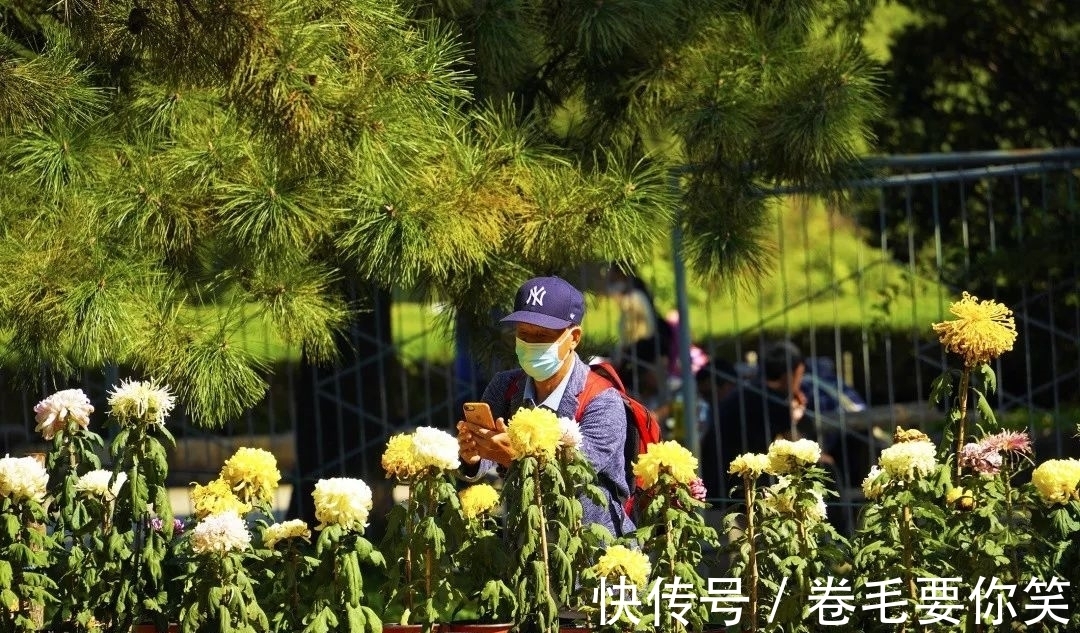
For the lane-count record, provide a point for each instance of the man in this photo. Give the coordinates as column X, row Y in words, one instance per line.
column 750, row 417
column 547, row 326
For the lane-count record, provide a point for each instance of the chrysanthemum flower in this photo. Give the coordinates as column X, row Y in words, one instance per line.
column 751, row 465
column 1057, row 480
column 670, row 457
column 908, row 460
column 217, row 497
column 901, row 435
column 96, row 483
column 253, row 474
column 220, row 533
column 983, row 330
column 1015, row 442
column 399, row 460
column 52, row 413
column 436, row 448
column 698, row 490
column 23, row 478
column 985, row 460
column 874, row 484
column 142, row 401
column 296, row 528
column 534, row 432
column 621, row 562
column 571, row 433
column 342, row 501
column 477, row 500
column 786, row 456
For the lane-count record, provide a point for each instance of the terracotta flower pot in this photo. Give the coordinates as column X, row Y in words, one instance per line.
column 152, row 628
column 468, row 627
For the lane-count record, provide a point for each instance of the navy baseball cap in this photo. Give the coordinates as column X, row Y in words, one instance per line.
column 548, row 302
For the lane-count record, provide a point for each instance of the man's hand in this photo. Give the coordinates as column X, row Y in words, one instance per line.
column 476, row 442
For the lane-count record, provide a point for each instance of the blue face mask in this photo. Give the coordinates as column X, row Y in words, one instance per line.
column 539, row 360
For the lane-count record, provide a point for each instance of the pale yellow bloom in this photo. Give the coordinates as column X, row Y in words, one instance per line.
column 141, row 401
column 253, row 474
column 96, row 483
column 750, row 465
column 983, row 330
column 220, row 533
column 621, row 562
column 670, row 457
column 399, row 460
column 342, row 501
column 23, row 478
column 216, row 497
column 956, row 493
column 908, row 460
column 1057, row 480
column 296, row 528
column 534, row 432
column 786, row 456
column 477, row 500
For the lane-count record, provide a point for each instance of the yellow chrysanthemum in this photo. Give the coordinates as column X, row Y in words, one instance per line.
column 621, row 562
column 253, row 474
column 786, row 456
column 1057, row 480
column 296, row 528
column 874, row 483
column 749, row 464
column 908, row 460
column 534, row 432
column 477, row 500
column 667, row 456
column 983, row 330
column 216, row 497
column 399, row 459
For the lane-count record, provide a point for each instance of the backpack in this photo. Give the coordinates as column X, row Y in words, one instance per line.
column 642, row 428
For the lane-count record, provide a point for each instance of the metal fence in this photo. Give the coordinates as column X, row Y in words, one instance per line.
column 861, row 274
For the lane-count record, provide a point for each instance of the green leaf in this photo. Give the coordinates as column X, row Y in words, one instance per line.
column 989, row 378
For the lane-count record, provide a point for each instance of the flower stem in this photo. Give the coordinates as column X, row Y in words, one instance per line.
column 909, row 558
column 752, row 567
column 543, row 532
column 965, row 381
column 408, row 548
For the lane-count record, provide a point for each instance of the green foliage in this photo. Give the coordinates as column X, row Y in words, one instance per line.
column 673, row 533
column 418, row 542
column 160, row 157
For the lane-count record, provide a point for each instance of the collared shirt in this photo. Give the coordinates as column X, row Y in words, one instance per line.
column 553, row 399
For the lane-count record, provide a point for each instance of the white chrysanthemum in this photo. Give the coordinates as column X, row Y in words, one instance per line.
column 141, row 400
column 23, row 478
column 220, row 533
column 53, row 412
column 908, row 460
column 571, row 433
column 296, row 528
column 874, row 484
column 96, row 483
column 342, row 501
column 436, row 448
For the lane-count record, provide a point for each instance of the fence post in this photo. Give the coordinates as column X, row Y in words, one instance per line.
column 689, row 386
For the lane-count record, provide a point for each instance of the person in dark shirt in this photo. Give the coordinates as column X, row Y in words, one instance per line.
column 752, row 415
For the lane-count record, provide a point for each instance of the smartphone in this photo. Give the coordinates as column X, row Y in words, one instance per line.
column 479, row 413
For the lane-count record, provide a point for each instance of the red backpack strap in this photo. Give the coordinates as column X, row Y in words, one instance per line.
column 516, row 386
column 594, row 384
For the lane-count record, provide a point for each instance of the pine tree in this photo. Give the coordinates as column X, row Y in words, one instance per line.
column 161, row 155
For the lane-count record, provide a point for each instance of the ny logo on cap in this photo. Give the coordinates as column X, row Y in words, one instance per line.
column 536, row 296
